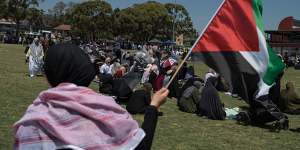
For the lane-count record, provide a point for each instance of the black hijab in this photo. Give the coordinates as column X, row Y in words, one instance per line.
column 68, row 63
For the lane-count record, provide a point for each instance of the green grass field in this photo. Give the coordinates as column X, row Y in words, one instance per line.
column 175, row 130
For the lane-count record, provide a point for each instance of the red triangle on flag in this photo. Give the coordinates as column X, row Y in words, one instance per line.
column 232, row 29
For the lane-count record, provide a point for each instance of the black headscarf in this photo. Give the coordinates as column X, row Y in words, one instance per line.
column 68, row 63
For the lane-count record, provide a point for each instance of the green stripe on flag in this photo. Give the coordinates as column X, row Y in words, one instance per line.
column 275, row 68
column 275, row 65
column 257, row 8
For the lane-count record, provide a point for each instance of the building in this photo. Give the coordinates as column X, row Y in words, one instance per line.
column 285, row 40
column 7, row 25
column 62, row 30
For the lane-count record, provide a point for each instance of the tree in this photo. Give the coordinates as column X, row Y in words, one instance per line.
column 93, row 19
column 59, row 9
column 35, row 17
column 61, row 13
column 56, row 14
column 70, row 7
column 18, row 10
column 142, row 22
column 68, row 12
column 181, row 21
column 116, row 22
column 3, row 7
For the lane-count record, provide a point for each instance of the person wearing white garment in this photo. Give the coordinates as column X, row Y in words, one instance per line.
column 210, row 73
column 35, row 57
column 105, row 68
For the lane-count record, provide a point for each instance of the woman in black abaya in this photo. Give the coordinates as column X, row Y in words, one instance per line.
column 210, row 104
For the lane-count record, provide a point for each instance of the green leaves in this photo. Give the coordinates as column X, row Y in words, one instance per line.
column 35, row 18
column 143, row 22
column 3, row 7
column 92, row 19
column 18, row 9
column 138, row 23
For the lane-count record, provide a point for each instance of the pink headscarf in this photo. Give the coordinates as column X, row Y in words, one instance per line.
column 73, row 115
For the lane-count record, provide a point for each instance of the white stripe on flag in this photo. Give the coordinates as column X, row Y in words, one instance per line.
column 259, row 61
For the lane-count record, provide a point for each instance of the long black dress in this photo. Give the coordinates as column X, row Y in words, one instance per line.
column 210, row 104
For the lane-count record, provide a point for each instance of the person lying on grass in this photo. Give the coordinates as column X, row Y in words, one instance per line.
column 69, row 115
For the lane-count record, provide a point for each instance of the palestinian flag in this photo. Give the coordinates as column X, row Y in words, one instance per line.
column 234, row 45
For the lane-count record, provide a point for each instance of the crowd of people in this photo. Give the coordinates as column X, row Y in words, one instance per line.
column 135, row 78
column 149, row 69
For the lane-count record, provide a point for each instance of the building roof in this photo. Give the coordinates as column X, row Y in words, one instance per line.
column 63, row 27
column 287, row 35
column 7, row 22
column 289, row 23
column 154, row 41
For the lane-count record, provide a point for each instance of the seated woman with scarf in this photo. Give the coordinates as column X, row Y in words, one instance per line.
column 290, row 100
column 190, row 98
column 140, row 99
column 210, row 104
column 69, row 115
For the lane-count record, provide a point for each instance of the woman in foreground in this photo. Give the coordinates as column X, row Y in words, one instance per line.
column 69, row 115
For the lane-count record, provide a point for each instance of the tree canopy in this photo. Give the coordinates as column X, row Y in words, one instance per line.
column 18, row 9
column 3, row 7
column 92, row 19
column 95, row 19
column 35, row 18
column 143, row 22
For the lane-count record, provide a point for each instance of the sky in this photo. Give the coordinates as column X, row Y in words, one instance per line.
column 202, row 10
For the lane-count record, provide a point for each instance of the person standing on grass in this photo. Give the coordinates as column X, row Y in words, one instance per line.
column 35, row 56
column 69, row 115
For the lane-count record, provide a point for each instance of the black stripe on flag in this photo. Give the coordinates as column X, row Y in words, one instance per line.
column 241, row 76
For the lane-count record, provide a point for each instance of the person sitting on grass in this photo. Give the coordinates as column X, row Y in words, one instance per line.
column 140, row 99
column 210, row 104
column 290, row 100
column 105, row 77
column 190, row 98
column 114, row 67
column 69, row 115
column 120, row 72
column 105, row 68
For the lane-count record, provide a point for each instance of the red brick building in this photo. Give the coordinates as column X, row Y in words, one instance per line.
column 285, row 40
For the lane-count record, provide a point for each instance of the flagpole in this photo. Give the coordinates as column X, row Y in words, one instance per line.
column 191, row 49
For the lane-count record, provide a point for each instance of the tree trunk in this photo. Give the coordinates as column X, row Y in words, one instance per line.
column 17, row 27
